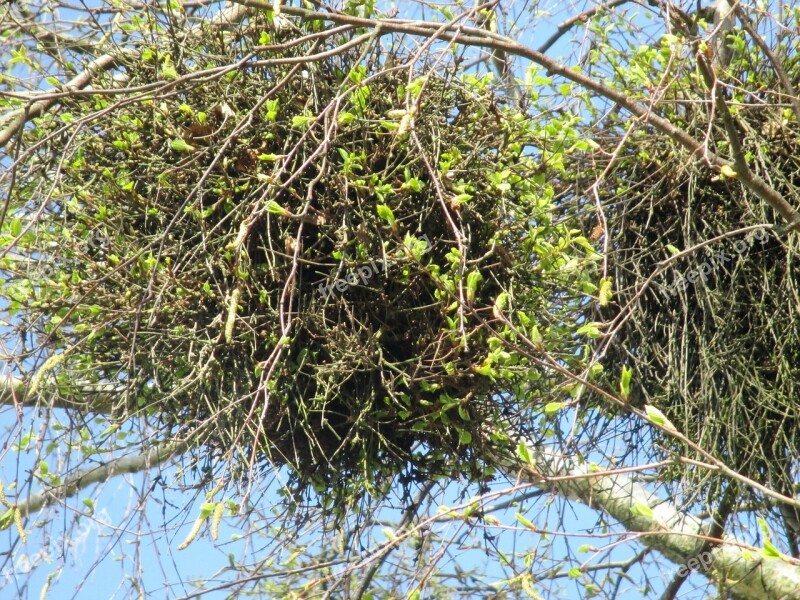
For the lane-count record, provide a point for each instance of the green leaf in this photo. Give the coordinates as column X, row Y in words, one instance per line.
column 180, row 145
column 385, row 213
column 411, row 182
column 591, row 590
column 762, row 525
column 673, row 250
column 552, row 408
column 524, row 453
column 526, row 522
column 301, row 121
column 625, row 383
column 642, row 510
column 657, row 417
column 16, row 227
column 500, row 304
column 206, row 508
column 169, row 72
column 448, row 14
column 465, row 437
column 6, row 519
column 590, row 329
column 472, row 284
column 770, row 551
column 605, row 292
column 276, row 209
column 486, row 370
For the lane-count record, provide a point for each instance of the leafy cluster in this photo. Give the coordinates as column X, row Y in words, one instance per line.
column 292, row 260
column 709, row 329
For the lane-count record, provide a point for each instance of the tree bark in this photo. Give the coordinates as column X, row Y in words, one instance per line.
column 678, row 536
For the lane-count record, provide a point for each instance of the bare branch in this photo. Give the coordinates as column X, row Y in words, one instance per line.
column 791, row 93
column 157, row 455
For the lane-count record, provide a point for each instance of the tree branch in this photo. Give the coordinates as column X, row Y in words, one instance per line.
column 157, row 455
column 676, row 535
column 568, row 24
column 716, row 532
column 12, row 122
column 98, row 398
column 660, row 525
column 791, row 94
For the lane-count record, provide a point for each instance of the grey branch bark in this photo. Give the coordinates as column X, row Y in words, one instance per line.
column 663, row 527
column 96, row 398
column 15, row 392
column 157, row 455
column 676, row 535
column 11, row 123
column 723, row 22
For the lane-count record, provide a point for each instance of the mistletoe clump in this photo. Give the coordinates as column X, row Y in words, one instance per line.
column 303, row 262
column 707, row 286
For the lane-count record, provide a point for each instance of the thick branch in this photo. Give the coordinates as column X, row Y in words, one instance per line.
column 715, row 533
column 678, row 536
column 675, row 534
column 157, row 455
column 96, row 398
column 11, row 123
column 15, row 391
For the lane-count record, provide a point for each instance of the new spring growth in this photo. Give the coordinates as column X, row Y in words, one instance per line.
column 232, row 308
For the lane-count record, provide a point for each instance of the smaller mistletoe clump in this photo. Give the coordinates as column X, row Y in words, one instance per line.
column 713, row 339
